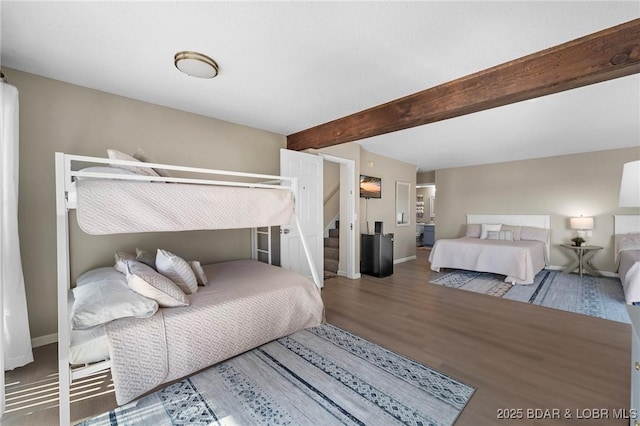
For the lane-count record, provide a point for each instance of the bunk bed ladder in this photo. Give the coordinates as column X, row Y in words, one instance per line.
column 258, row 250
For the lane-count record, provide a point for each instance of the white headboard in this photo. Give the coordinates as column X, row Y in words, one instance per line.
column 625, row 223
column 535, row 220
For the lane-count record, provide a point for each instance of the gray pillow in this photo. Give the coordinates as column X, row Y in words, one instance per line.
column 473, row 230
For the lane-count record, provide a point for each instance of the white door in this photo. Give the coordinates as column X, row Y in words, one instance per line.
column 308, row 169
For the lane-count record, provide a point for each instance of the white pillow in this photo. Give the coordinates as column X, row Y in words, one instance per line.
column 104, row 297
column 142, row 155
column 146, row 257
column 121, row 261
column 117, row 155
column 199, row 272
column 177, row 270
column 144, row 280
column 486, row 227
column 99, row 274
column 109, row 170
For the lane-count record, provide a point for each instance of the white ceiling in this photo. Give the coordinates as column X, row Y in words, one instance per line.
column 288, row 66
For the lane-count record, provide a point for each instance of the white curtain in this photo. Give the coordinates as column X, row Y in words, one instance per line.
column 16, row 339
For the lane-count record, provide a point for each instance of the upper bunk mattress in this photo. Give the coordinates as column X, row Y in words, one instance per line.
column 108, row 206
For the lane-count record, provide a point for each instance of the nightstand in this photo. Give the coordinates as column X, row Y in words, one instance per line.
column 583, row 256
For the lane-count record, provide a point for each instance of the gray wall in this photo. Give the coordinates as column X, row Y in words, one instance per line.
column 564, row 186
column 56, row 116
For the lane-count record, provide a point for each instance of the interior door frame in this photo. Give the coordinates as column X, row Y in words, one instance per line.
column 347, row 192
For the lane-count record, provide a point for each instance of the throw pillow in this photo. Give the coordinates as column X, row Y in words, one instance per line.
column 177, row 270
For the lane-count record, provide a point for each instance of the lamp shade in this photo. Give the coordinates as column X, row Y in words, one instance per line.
column 630, row 185
column 581, row 223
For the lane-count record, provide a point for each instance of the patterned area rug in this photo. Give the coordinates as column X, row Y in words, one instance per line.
column 320, row 376
column 587, row 295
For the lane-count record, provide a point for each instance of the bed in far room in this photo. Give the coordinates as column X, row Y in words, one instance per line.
column 516, row 246
column 627, row 252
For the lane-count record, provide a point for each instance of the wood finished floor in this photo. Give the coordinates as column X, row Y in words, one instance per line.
column 516, row 355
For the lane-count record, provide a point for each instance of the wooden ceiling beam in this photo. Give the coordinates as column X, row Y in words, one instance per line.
column 598, row 57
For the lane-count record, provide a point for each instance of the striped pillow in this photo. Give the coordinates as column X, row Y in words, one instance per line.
column 198, row 271
column 177, row 270
column 500, row 235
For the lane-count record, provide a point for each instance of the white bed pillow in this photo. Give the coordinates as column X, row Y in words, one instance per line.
column 486, row 227
column 196, row 267
column 118, row 155
column 142, row 155
column 473, row 230
column 104, row 297
column 121, row 258
column 99, row 274
column 108, row 170
column 147, row 257
column 626, row 242
column 500, row 235
column 146, row 281
column 177, row 270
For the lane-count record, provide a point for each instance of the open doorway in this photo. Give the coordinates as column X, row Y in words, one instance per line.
column 339, row 216
column 425, row 214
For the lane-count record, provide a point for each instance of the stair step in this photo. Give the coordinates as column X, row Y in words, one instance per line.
column 331, row 265
column 331, row 253
column 334, row 233
column 332, row 242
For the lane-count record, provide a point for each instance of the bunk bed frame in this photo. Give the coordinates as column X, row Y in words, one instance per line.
column 66, row 199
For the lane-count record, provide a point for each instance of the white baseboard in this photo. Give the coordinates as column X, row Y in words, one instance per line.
column 344, row 274
column 404, row 259
column 44, row 340
column 604, row 273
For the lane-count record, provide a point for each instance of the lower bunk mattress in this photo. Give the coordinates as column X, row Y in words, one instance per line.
column 245, row 304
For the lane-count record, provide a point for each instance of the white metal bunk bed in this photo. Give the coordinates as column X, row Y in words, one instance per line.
column 67, row 198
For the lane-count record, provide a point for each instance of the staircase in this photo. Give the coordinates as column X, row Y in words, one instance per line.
column 332, row 253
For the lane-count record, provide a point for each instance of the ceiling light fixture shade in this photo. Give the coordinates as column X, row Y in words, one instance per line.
column 630, row 185
column 196, row 64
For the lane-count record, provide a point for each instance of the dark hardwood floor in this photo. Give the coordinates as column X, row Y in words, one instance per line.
column 517, row 356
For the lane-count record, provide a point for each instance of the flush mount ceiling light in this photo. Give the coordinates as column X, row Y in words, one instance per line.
column 196, row 64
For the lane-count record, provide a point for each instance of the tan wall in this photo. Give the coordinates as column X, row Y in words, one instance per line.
column 56, row 116
column 426, row 177
column 563, row 186
column 384, row 209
